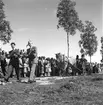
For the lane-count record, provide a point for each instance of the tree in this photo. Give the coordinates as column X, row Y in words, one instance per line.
column 88, row 39
column 68, row 18
column 5, row 30
column 82, row 51
column 102, row 48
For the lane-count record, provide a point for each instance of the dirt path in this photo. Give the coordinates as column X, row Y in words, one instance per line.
column 39, row 80
column 46, row 80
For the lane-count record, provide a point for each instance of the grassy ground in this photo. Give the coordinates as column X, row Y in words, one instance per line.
column 81, row 90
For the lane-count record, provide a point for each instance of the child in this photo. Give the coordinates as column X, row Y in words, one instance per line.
column 48, row 68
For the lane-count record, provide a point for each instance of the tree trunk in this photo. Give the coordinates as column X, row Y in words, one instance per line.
column 90, row 60
column 102, row 58
column 68, row 48
column 68, row 45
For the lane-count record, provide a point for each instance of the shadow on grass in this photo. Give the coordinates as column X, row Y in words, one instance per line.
column 97, row 79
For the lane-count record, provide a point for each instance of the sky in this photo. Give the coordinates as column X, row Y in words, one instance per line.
column 36, row 20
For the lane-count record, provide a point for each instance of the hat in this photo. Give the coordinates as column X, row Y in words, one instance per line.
column 29, row 43
column 34, row 48
column 13, row 43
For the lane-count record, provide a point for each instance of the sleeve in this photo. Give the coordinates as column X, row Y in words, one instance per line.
column 9, row 55
column 27, row 53
column 34, row 53
column 17, row 53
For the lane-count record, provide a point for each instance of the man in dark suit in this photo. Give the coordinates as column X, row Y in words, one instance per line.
column 13, row 63
column 3, row 62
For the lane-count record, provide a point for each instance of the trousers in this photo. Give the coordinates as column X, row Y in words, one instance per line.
column 32, row 72
column 10, row 70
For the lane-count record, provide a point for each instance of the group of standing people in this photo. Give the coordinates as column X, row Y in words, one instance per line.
column 14, row 62
column 86, row 67
column 28, row 64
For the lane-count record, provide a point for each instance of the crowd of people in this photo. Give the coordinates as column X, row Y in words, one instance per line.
column 27, row 64
column 18, row 62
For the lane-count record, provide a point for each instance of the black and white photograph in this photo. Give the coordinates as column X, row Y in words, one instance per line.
column 51, row 52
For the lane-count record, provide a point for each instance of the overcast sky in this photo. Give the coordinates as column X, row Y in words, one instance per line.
column 36, row 20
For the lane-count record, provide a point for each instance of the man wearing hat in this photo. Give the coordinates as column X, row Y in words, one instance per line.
column 33, row 60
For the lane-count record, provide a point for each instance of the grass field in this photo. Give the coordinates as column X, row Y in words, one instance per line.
column 80, row 90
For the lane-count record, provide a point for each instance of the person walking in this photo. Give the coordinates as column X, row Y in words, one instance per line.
column 13, row 63
column 3, row 62
column 33, row 61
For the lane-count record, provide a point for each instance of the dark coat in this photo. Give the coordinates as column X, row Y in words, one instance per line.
column 14, row 57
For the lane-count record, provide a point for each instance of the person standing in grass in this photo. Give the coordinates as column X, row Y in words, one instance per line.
column 83, row 63
column 33, row 61
column 3, row 62
column 13, row 63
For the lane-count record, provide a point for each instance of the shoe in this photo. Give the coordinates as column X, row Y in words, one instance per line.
column 6, row 80
column 18, row 80
column 31, row 81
